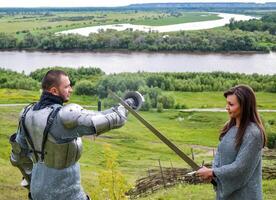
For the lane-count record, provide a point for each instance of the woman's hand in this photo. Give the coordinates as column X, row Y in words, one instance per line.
column 206, row 174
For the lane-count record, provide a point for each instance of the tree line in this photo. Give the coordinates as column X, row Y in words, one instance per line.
column 204, row 41
column 83, row 73
column 93, row 81
column 266, row 23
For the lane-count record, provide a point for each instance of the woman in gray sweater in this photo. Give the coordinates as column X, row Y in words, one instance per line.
column 237, row 166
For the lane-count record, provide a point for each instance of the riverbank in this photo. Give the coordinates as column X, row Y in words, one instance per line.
column 126, row 51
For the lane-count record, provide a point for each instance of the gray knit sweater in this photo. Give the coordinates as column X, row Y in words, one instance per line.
column 239, row 172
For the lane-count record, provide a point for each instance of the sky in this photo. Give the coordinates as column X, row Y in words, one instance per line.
column 104, row 3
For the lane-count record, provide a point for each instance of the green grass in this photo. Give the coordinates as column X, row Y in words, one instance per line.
column 9, row 96
column 184, row 18
column 265, row 100
column 203, row 192
column 137, row 148
column 191, row 192
column 14, row 96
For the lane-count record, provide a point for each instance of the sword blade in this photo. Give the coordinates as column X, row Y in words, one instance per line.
column 172, row 146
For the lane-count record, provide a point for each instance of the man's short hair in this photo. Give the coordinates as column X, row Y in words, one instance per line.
column 52, row 79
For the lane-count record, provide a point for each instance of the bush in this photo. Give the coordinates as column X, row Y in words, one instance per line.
column 147, row 104
column 109, row 102
column 74, row 74
column 15, row 80
column 22, row 83
column 152, row 93
column 159, row 107
column 271, row 140
column 167, row 101
column 7, row 41
column 85, row 88
column 112, row 182
column 180, row 106
column 119, row 82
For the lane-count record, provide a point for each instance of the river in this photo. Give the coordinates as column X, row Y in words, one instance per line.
column 115, row 62
column 225, row 17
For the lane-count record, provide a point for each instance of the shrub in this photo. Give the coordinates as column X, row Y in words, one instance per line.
column 159, row 107
column 152, row 93
column 85, row 87
column 121, row 82
column 74, row 74
column 167, row 101
column 112, row 183
column 181, row 106
column 15, row 80
column 147, row 104
column 21, row 83
column 271, row 140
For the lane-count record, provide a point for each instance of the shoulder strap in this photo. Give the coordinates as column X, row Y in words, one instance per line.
column 50, row 121
column 28, row 137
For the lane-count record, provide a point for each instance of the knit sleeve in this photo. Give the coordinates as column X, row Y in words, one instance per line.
column 234, row 176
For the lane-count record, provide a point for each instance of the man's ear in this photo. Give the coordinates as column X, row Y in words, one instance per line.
column 54, row 91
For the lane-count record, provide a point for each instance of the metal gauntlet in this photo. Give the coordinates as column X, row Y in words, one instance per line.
column 109, row 119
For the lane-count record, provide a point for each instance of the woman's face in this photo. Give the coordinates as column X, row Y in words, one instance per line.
column 233, row 106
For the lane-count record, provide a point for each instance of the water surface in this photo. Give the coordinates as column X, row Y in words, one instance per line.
column 115, row 62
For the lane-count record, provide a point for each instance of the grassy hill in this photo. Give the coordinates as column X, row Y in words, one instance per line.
column 138, row 150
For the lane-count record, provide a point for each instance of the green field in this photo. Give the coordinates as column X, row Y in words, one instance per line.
column 265, row 100
column 13, row 96
column 163, row 20
column 138, row 150
column 53, row 22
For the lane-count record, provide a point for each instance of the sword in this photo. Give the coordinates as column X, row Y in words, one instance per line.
column 172, row 146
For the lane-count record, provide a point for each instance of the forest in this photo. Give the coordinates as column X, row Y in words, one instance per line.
column 211, row 41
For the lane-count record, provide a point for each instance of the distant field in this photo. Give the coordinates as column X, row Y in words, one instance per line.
column 53, row 22
column 184, row 18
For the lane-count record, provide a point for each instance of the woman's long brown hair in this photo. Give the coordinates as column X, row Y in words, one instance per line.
column 248, row 107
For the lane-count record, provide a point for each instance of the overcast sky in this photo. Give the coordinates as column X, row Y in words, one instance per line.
column 95, row 3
